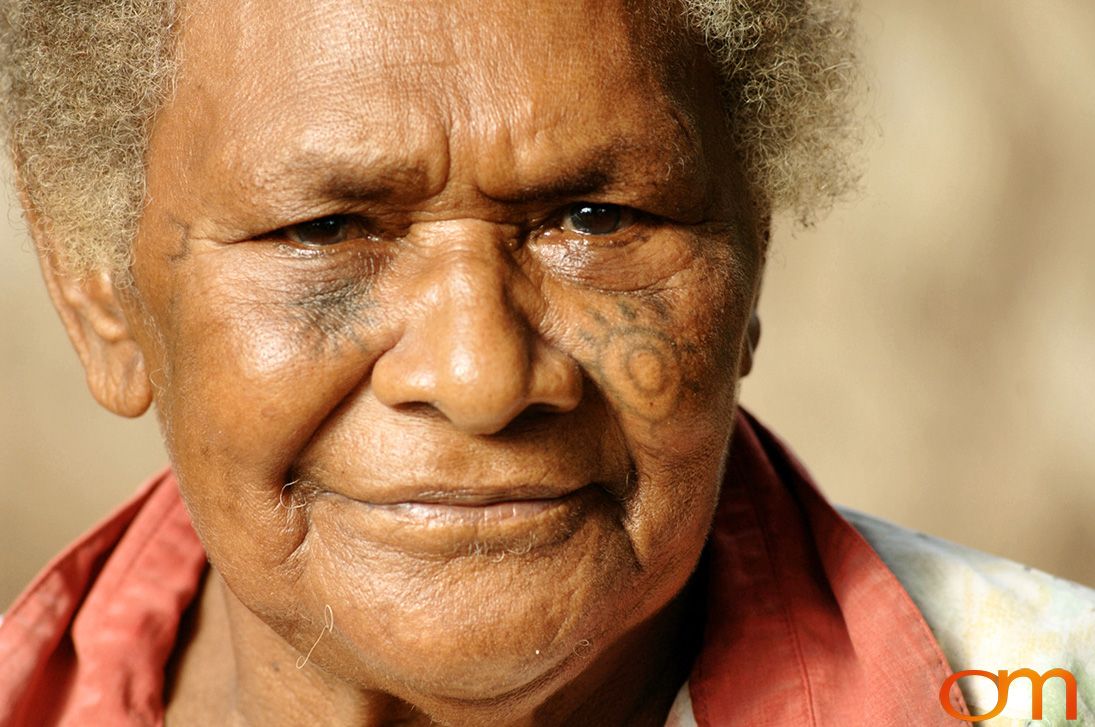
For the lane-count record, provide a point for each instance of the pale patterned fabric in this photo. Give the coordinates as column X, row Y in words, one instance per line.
column 990, row 613
column 987, row 613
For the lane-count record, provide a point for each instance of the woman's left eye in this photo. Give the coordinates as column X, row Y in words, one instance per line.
column 325, row 231
column 592, row 219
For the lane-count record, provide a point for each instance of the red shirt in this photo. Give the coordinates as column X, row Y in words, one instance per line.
column 804, row 626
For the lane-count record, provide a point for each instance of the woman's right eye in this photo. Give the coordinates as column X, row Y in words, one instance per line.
column 325, row 231
column 597, row 219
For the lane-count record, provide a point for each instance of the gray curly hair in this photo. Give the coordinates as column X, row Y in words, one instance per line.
column 82, row 80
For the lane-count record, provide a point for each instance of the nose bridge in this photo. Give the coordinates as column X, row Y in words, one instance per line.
column 470, row 348
column 473, row 315
column 469, row 273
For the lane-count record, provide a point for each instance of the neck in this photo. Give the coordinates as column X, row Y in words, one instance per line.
column 231, row 668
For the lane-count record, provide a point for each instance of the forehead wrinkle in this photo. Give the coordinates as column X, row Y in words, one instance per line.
column 315, row 176
column 403, row 36
column 344, row 159
column 270, row 144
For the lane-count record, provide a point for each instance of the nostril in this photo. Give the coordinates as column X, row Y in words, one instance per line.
column 418, row 409
column 537, row 416
column 540, row 409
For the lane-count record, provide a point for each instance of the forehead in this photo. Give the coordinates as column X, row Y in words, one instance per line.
column 497, row 90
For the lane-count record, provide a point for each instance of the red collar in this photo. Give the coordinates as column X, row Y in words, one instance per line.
column 87, row 642
column 805, row 624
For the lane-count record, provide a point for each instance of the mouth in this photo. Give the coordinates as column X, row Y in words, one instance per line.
column 435, row 524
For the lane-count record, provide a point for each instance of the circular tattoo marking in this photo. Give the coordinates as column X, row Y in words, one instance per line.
column 642, row 367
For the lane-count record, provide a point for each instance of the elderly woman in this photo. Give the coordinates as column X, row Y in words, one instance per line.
column 443, row 307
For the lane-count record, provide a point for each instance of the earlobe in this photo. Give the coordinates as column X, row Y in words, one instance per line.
column 91, row 311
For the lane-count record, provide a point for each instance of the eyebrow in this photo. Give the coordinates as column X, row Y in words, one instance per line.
column 350, row 179
column 569, row 184
column 613, row 164
column 593, row 169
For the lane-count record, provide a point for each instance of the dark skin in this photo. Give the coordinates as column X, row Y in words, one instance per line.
column 443, row 308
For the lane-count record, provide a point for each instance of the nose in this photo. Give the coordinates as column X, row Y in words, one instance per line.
column 471, row 346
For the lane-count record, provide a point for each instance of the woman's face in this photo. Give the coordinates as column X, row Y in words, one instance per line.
column 444, row 305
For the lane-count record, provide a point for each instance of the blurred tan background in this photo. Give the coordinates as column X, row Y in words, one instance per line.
column 929, row 349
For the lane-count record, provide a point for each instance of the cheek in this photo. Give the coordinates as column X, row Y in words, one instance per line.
column 250, row 372
column 666, row 364
column 253, row 366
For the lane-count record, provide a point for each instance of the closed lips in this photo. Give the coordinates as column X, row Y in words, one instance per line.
column 443, row 527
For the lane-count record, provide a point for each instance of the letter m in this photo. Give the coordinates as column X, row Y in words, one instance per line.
column 1037, row 685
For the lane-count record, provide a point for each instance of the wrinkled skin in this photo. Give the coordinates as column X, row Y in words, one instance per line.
column 478, row 411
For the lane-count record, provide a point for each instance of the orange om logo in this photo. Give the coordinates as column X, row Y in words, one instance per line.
column 1003, row 680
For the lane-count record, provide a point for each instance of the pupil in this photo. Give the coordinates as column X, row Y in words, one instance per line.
column 596, row 219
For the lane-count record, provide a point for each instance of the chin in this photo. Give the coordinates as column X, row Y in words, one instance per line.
column 485, row 629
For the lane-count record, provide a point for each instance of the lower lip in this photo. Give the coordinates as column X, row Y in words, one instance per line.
column 438, row 530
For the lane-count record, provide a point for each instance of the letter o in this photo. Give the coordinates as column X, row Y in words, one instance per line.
column 949, row 682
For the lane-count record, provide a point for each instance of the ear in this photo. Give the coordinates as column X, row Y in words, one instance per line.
column 752, row 332
column 91, row 311
column 96, row 324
